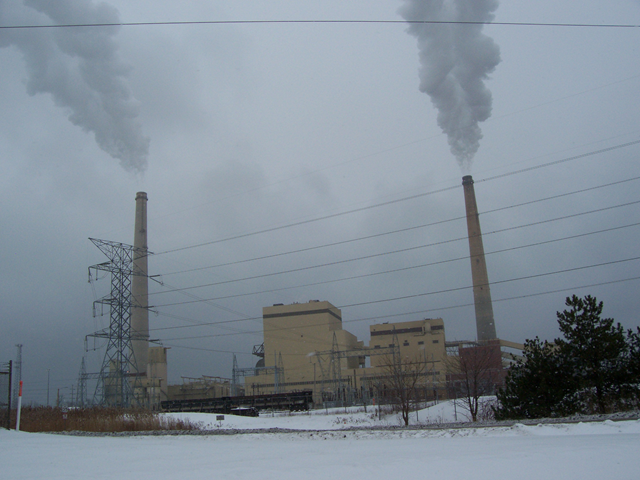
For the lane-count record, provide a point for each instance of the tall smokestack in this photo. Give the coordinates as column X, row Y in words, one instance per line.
column 140, row 288
column 481, row 293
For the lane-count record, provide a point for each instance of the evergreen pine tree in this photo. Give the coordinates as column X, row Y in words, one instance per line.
column 595, row 367
column 595, row 350
column 537, row 385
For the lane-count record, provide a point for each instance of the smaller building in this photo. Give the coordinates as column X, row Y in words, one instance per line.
column 200, row 388
column 419, row 344
column 156, row 379
column 421, row 340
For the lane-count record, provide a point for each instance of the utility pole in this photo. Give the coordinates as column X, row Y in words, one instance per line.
column 81, row 395
column 18, row 376
column 10, row 372
column 433, row 369
column 48, row 371
column 234, row 377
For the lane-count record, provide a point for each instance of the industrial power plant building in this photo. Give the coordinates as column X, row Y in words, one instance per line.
column 306, row 348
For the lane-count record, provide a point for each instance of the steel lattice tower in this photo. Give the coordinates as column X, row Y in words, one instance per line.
column 118, row 381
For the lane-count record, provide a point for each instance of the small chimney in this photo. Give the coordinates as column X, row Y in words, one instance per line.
column 481, row 293
column 140, row 288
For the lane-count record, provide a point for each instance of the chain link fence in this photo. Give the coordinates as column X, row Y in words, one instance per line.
column 5, row 395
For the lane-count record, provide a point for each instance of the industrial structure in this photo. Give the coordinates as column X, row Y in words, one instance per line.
column 199, row 388
column 305, row 347
column 313, row 351
column 140, row 289
column 316, row 353
column 485, row 323
column 295, row 333
column 132, row 373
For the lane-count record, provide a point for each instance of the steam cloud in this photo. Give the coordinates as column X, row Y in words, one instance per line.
column 80, row 68
column 455, row 60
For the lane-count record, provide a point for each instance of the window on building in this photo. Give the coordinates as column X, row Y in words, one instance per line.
column 376, row 346
column 436, row 341
column 405, row 343
column 421, row 343
column 437, row 327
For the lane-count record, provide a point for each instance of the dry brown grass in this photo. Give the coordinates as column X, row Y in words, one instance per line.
column 96, row 419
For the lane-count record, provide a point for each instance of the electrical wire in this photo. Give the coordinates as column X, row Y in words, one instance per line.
column 399, row 200
column 322, row 21
column 377, row 255
column 439, row 309
column 440, row 262
column 402, row 230
column 422, row 312
column 449, row 290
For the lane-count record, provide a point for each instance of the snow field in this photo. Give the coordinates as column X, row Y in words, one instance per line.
column 324, row 448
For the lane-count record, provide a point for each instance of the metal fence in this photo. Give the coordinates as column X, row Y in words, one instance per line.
column 5, row 395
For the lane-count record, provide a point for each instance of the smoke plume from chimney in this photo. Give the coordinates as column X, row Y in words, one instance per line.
column 81, row 69
column 455, row 60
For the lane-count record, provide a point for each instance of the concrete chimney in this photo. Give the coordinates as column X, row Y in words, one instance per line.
column 140, row 288
column 481, row 293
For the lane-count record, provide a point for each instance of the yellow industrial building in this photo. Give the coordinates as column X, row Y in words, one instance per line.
column 306, row 348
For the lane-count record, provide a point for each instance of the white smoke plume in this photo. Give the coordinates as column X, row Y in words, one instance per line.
column 455, row 60
column 81, row 69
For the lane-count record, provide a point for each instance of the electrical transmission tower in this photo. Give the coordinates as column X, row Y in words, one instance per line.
column 118, row 384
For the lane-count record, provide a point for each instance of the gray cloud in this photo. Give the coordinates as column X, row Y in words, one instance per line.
column 82, row 71
column 455, row 60
column 258, row 126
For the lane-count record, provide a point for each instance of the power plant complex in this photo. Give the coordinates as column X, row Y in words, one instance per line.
column 305, row 347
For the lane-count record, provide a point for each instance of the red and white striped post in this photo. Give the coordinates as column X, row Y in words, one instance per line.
column 19, row 407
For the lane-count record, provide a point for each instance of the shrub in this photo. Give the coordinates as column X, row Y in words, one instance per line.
column 97, row 419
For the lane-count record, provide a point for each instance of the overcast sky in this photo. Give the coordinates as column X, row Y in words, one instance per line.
column 239, row 128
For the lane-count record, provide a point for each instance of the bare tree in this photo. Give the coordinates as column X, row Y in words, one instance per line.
column 473, row 372
column 400, row 380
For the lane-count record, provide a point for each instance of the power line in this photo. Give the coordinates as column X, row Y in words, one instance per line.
column 378, row 273
column 563, row 160
column 412, row 267
column 399, row 200
column 448, row 290
column 376, row 255
column 437, row 309
column 323, row 21
column 528, row 277
column 313, row 220
column 402, row 230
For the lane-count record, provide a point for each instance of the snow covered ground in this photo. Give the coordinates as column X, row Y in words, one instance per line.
column 323, row 449
column 335, row 418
